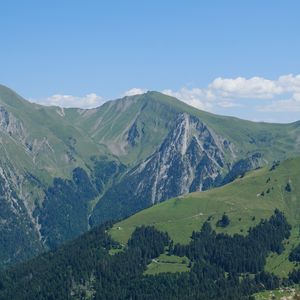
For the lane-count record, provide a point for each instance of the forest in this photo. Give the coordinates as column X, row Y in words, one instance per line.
column 221, row 266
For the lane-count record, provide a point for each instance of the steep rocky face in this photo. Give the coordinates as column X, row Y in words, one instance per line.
column 38, row 149
column 12, row 126
column 133, row 135
column 242, row 166
column 19, row 231
column 19, row 237
column 191, row 158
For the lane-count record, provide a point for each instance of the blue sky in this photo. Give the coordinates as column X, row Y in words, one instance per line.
column 230, row 57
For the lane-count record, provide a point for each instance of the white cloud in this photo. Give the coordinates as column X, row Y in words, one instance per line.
column 282, row 94
column 285, row 105
column 256, row 94
column 196, row 97
column 289, row 83
column 134, row 91
column 87, row 101
column 240, row 87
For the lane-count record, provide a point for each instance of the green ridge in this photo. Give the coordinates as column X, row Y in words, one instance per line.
column 241, row 200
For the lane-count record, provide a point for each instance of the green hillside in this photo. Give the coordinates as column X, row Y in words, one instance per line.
column 104, row 130
column 154, row 113
column 71, row 169
column 216, row 266
column 246, row 201
column 41, row 140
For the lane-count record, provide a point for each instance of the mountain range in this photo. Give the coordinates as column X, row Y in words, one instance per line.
column 230, row 242
column 63, row 171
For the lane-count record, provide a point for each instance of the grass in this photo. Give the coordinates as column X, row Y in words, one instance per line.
column 155, row 113
column 241, row 200
column 97, row 130
column 49, row 133
column 114, row 251
column 165, row 263
column 280, row 264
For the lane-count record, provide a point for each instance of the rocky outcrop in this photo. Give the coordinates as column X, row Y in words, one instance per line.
column 191, row 158
column 133, row 135
column 12, row 126
column 16, row 131
column 242, row 166
column 19, row 235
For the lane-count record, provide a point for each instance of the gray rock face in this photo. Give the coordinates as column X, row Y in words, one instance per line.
column 242, row 166
column 19, row 237
column 133, row 135
column 191, row 158
column 11, row 126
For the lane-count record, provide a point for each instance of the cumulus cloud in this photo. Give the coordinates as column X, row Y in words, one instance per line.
column 196, row 97
column 134, row 91
column 282, row 94
column 88, row 101
column 289, row 83
column 240, row 87
column 285, row 105
column 222, row 95
column 204, row 99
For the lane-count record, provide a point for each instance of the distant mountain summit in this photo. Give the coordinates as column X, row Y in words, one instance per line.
column 65, row 170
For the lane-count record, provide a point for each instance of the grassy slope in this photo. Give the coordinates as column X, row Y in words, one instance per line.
column 155, row 112
column 166, row 263
column 45, row 122
column 110, row 123
column 274, row 140
column 241, row 202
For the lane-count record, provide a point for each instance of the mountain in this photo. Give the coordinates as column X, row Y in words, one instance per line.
column 180, row 249
column 65, row 170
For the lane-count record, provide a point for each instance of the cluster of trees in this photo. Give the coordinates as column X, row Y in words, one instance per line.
column 295, row 254
column 84, row 269
column 294, row 276
column 65, row 210
column 224, row 221
column 63, row 215
column 59, row 273
column 275, row 164
column 288, row 187
column 104, row 171
column 237, row 253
